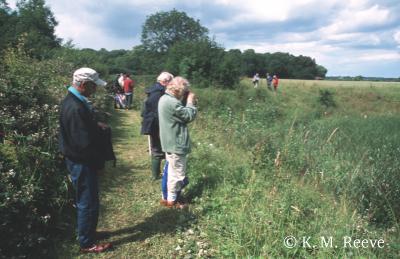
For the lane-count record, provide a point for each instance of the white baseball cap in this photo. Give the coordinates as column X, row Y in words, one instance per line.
column 88, row 74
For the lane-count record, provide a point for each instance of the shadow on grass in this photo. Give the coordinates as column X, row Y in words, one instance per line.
column 117, row 121
column 163, row 222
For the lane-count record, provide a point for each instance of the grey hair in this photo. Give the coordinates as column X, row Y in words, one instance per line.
column 178, row 84
column 165, row 77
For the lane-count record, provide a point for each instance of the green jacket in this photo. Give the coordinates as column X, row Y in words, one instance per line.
column 173, row 118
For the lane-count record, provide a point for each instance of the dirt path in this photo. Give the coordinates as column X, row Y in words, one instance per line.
column 129, row 199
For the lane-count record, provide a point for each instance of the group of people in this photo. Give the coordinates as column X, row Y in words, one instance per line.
column 122, row 88
column 271, row 81
column 85, row 142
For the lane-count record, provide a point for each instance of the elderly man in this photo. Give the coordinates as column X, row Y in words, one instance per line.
column 80, row 143
column 174, row 134
column 150, row 125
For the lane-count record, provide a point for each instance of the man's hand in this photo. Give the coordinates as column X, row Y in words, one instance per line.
column 102, row 125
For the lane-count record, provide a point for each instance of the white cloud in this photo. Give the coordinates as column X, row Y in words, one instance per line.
column 271, row 10
column 396, row 37
column 380, row 56
column 350, row 20
column 345, row 36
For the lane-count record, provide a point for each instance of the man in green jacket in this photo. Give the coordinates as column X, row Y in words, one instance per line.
column 174, row 135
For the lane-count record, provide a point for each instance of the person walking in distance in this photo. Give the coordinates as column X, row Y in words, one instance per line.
column 150, row 125
column 275, row 82
column 256, row 79
column 174, row 135
column 269, row 81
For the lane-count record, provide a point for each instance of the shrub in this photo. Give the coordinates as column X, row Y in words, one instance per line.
column 33, row 190
column 326, row 98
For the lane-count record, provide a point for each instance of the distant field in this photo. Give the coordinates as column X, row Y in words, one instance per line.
column 351, row 96
column 329, row 83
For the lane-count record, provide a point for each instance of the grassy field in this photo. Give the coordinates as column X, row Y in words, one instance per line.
column 315, row 165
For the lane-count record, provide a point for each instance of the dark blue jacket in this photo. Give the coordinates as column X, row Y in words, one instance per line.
column 150, row 109
column 81, row 140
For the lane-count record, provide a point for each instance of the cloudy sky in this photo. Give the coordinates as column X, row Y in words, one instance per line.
column 348, row 37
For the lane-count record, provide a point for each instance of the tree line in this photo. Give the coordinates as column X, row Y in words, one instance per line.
column 170, row 41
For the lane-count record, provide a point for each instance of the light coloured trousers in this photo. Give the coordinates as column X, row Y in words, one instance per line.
column 176, row 174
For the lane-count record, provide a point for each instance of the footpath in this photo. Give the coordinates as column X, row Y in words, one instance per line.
column 138, row 226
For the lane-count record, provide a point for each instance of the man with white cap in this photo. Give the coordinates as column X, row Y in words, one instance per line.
column 79, row 143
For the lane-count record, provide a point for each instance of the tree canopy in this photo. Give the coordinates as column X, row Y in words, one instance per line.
column 163, row 29
column 171, row 41
column 33, row 23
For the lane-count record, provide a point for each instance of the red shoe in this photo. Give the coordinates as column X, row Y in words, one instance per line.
column 176, row 205
column 99, row 248
column 163, row 202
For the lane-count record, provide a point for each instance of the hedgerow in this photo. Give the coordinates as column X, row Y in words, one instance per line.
column 33, row 183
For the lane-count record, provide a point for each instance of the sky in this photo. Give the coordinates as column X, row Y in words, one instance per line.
column 348, row 37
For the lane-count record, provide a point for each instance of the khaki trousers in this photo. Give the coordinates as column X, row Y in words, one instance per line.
column 176, row 174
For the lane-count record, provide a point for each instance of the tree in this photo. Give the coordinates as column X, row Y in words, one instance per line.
column 321, row 71
column 249, row 60
column 164, row 29
column 192, row 59
column 279, row 64
column 7, row 26
column 228, row 72
column 36, row 24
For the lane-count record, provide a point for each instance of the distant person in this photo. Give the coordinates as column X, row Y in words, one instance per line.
column 150, row 125
column 128, row 90
column 269, row 81
column 81, row 142
column 275, row 82
column 118, row 92
column 174, row 135
column 116, row 87
column 121, row 79
column 256, row 79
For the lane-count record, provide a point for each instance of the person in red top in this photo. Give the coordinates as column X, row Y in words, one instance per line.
column 275, row 82
column 128, row 90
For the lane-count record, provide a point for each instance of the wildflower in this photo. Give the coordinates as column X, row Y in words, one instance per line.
column 12, row 173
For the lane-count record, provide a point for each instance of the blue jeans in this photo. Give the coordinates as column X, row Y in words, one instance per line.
column 129, row 98
column 84, row 180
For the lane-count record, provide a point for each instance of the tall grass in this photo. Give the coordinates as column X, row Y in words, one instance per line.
column 286, row 164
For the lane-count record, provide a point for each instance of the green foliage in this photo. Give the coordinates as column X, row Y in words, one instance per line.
column 7, row 26
column 36, row 24
column 326, row 98
column 32, row 185
column 304, row 175
column 321, row 71
column 228, row 72
column 203, row 62
column 164, row 29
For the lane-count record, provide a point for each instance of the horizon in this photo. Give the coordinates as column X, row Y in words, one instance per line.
column 349, row 38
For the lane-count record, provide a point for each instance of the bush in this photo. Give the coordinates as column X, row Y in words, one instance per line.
column 326, row 98
column 33, row 187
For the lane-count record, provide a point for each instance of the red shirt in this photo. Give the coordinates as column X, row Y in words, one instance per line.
column 275, row 81
column 128, row 85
